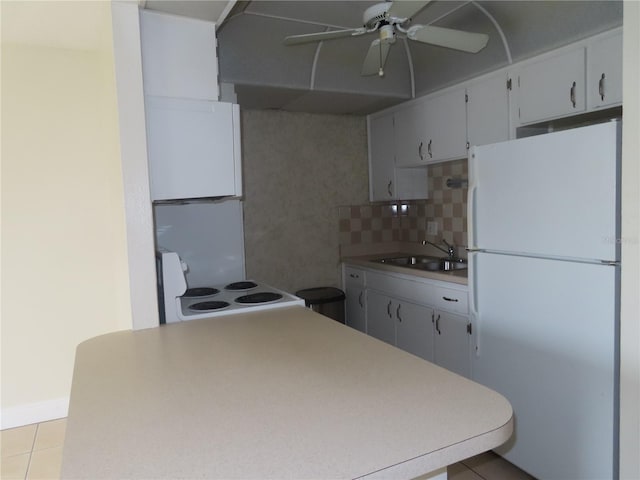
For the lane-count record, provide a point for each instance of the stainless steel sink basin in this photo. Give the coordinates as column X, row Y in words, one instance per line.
column 421, row 262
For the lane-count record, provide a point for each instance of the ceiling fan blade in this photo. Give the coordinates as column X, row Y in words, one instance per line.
column 375, row 58
column 449, row 38
column 406, row 8
column 318, row 37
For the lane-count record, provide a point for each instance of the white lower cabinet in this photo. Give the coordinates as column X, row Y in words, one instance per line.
column 403, row 324
column 452, row 342
column 380, row 322
column 414, row 331
column 426, row 318
column 355, row 298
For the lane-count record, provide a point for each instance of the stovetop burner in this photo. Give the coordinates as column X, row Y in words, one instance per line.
column 200, row 292
column 245, row 285
column 259, row 297
column 212, row 305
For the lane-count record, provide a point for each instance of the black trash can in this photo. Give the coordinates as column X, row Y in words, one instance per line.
column 327, row 301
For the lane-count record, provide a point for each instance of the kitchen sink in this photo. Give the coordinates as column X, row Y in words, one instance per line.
column 423, row 262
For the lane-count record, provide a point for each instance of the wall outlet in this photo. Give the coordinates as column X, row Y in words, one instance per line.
column 432, row 228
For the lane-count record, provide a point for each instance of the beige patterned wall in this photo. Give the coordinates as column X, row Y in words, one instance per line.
column 297, row 168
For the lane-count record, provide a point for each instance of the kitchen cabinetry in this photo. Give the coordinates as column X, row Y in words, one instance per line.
column 194, row 148
column 488, row 110
column 380, row 322
column 386, row 182
column 423, row 317
column 433, row 130
column 355, row 301
column 551, row 87
column 604, row 71
column 452, row 342
column 193, row 141
column 404, row 324
column 381, row 158
column 178, row 56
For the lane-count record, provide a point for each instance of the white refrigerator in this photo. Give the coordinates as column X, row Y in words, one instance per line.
column 543, row 222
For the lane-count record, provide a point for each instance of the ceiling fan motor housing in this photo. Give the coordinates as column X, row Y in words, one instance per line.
column 375, row 14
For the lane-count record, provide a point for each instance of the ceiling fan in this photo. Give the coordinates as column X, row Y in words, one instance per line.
column 388, row 18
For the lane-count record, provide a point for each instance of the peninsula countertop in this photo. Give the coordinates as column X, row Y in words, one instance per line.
column 283, row 393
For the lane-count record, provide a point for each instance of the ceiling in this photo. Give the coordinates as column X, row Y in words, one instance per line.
column 325, row 78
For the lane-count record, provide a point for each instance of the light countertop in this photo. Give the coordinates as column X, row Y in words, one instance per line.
column 284, row 393
column 369, row 261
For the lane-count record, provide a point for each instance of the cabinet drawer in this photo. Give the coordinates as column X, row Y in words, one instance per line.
column 450, row 299
column 398, row 287
column 354, row 277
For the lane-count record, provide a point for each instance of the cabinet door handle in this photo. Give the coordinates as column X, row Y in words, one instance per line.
column 360, row 299
column 389, row 308
column 572, row 94
column 438, row 325
column 450, row 299
column 601, row 87
column 389, row 188
column 420, row 151
column 354, row 275
column 398, row 312
column 429, row 149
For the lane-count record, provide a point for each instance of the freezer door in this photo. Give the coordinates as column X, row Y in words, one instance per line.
column 549, row 195
column 545, row 336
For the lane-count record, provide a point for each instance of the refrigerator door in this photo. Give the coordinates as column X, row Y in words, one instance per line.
column 552, row 195
column 545, row 338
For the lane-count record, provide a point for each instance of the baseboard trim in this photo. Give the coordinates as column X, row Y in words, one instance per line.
column 34, row 413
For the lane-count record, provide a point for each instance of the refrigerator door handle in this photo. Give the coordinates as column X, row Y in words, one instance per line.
column 471, row 210
column 473, row 308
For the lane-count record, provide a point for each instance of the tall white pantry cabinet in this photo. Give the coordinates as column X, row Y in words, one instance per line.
column 193, row 139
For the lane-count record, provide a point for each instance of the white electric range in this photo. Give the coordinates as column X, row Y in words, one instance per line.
column 180, row 303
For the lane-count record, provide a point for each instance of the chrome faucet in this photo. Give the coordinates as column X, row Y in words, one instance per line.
column 450, row 250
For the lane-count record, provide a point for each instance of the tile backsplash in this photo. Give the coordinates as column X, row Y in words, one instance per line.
column 406, row 221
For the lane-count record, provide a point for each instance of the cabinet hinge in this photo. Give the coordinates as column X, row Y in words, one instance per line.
column 509, row 84
column 469, row 328
column 466, row 98
column 467, row 145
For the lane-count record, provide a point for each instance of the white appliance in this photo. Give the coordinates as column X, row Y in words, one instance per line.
column 543, row 276
column 208, row 236
column 181, row 303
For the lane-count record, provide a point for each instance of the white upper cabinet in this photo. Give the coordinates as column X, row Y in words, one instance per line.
column 178, row 56
column 488, row 110
column 381, row 158
column 386, row 181
column 433, row 130
column 194, row 148
column 410, row 135
column 604, row 71
column 551, row 87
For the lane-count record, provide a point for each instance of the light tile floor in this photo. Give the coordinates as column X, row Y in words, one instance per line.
column 35, row 452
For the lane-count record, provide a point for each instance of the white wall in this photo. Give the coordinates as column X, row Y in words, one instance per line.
column 64, row 262
column 630, row 242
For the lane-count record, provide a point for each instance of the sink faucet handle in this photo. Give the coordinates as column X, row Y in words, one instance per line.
column 451, row 250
